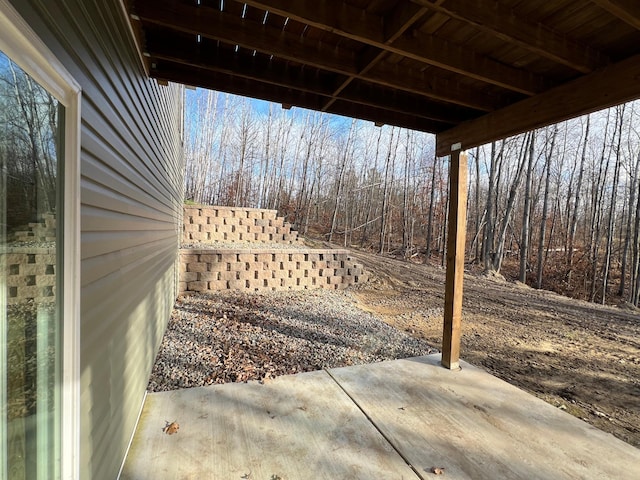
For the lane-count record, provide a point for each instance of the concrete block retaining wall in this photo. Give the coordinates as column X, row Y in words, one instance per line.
column 263, row 269
column 231, row 224
column 256, row 264
column 30, row 274
column 30, row 263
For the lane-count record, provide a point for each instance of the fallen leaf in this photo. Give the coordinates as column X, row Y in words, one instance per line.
column 437, row 470
column 171, row 428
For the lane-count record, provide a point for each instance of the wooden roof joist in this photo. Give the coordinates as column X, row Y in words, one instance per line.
column 471, row 71
column 498, row 20
column 376, row 31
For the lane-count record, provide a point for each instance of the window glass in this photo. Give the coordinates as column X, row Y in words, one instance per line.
column 31, row 121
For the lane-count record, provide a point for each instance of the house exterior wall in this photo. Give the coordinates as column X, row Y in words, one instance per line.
column 131, row 216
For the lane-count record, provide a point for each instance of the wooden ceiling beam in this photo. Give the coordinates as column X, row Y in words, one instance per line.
column 350, row 22
column 440, row 89
column 609, row 86
column 250, row 88
column 378, row 115
column 234, row 84
column 626, row 10
column 498, row 20
column 376, row 96
column 234, row 30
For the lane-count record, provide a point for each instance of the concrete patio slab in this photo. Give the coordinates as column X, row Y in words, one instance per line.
column 295, row 427
column 480, row 427
column 390, row 420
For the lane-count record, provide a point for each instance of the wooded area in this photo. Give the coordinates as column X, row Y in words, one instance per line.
column 29, row 147
column 557, row 208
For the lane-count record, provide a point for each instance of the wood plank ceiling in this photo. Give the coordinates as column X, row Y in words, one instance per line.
column 470, row 71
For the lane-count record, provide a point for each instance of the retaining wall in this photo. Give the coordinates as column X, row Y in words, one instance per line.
column 255, row 264
column 29, row 262
column 231, row 224
column 263, row 269
column 30, row 274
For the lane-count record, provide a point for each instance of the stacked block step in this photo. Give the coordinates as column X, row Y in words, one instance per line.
column 265, row 254
column 263, row 269
column 43, row 231
column 231, row 224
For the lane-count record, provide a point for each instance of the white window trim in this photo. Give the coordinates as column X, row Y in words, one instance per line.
column 25, row 48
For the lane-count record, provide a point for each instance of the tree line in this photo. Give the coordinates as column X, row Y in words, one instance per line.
column 29, row 147
column 557, row 208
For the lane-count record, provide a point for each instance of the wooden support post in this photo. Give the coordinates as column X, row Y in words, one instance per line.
column 455, row 260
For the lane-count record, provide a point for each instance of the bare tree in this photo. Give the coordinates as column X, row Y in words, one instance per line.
column 598, row 186
column 432, row 195
column 612, row 204
column 373, row 184
column 633, row 186
column 385, row 196
column 526, row 213
column 576, row 203
column 545, row 207
column 511, row 201
column 342, row 168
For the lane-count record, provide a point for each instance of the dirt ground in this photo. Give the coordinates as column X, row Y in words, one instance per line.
column 580, row 357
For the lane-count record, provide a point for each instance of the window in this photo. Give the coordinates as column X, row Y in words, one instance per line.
column 39, row 257
column 31, row 133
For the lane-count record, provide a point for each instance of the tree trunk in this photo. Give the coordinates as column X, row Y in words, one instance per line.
column 515, row 187
column 406, row 223
column 477, row 205
column 634, row 294
column 487, row 242
column 576, row 205
column 545, row 209
column 633, row 188
column 524, row 240
column 371, row 190
column 612, row 207
column 343, row 167
column 432, row 196
column 598, row 187
column 385, row 194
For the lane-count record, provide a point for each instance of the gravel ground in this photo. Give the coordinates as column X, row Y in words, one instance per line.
column 238, row 336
